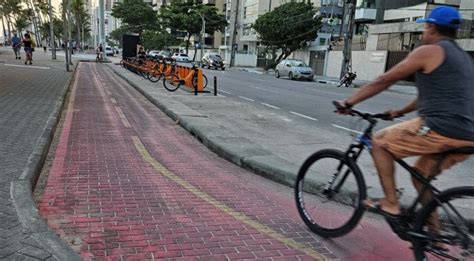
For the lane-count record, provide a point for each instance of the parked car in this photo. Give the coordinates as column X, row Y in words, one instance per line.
column 294, row 70
column 153, row 53
column 180, row 57
column 212, row 60
column 163, row 55
column 109, row 51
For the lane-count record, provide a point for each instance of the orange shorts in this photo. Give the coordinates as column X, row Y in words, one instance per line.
column 402, row 140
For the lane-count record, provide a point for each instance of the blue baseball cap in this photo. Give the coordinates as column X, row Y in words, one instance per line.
column 443, row 16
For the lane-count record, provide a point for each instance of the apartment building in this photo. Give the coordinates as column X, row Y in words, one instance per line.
column 390, row 39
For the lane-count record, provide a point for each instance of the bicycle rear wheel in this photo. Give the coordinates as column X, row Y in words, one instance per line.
column 204, row 79
column 447, row 225
column 153, row 77
column 329, row 192
column 171, row 83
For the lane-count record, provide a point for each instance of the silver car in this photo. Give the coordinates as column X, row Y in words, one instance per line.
column 294, row 70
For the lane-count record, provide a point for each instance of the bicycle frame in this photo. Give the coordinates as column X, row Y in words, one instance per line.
column 365, row 140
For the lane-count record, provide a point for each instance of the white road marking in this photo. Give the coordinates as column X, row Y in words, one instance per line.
column 347, row 129
column 262, row 89
column 269, row 105
column 245, row 98
column 28, row 66
column 225, row 92
column 304, row 116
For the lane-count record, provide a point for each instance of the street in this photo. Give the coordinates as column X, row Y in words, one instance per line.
column 127, row 182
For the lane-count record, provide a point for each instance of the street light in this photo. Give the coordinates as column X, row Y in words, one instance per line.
column 203, row 30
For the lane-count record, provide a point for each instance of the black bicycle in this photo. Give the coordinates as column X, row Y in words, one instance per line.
column 330, row 190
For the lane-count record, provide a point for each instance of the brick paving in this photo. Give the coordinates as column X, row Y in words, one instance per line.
column 30, row 99
column 127, row 183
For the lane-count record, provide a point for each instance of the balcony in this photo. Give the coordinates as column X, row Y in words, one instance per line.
column 365, row 14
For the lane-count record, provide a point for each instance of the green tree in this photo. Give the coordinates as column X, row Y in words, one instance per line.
column 116, row 35
column 287, row 28
column 81, row 18
column 136, row 15
column 184, row 16
column 21, row 21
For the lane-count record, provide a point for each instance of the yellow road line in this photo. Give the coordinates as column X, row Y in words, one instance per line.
column 122, row 116
column 219, row 205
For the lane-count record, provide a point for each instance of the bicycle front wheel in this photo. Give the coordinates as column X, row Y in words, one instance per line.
column 171, row 83
column 447, row 226
column 329, row 192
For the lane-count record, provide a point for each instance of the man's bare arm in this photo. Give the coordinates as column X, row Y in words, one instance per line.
column 415, row 61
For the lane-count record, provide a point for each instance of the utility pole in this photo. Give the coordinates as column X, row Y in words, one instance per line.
column 347, row 53
column 51, row 32
column 65, row 33
column 102, row 22
column 69, row 31
column 203, row 32
column 234, row 14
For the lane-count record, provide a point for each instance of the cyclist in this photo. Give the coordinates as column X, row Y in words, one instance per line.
column 100, row 52
column 445, row 105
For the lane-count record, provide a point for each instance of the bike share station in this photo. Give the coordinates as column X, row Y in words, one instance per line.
column 173, row 75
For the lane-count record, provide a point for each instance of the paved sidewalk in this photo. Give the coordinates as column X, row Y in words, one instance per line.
column 31, row 98
column 270, row 142
column 128, row 183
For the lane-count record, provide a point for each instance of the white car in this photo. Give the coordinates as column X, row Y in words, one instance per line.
column 153, row 53
column 109, row 51
column 294, row 70
column 180, row 57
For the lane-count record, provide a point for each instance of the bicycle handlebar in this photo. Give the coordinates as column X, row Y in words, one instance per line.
column 364, row 115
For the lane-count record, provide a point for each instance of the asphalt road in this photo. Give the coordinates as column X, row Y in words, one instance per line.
column 313, row 101
column 310, row 99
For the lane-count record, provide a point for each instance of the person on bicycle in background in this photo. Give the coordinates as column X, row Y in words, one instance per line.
column 100, row 52
column 445, row 105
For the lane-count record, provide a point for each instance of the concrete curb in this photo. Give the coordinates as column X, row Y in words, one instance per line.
column 21, row 189
column 262, row 166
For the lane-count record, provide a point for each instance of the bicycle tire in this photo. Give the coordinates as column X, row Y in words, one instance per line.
column 153, row 78
column 314, row 186
column 420, row 246
column 204, row 85
column 172, row 85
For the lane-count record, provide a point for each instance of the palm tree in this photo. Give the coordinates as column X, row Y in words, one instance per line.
column 80, row 16
column 21, row 21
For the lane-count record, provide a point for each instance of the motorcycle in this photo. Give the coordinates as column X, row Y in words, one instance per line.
column 347, row 79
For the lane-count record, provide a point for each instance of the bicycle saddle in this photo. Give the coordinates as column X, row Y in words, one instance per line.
column 463, row 150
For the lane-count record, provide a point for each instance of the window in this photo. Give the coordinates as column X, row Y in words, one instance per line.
column 245, row 12
column 416, row 18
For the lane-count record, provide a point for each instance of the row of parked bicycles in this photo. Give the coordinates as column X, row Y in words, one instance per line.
column 174, row 75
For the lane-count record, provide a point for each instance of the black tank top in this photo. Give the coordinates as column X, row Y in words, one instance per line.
column 27, row 43
column 446, row 95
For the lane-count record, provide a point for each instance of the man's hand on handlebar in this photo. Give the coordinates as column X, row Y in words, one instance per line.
column 342, row 107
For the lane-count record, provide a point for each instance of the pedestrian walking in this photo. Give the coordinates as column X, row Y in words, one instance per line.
column 16, row 45
column 29, row 47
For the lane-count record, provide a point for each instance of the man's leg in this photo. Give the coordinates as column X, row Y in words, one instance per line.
column 394, row 142
column 384, row 162
column 427, row 166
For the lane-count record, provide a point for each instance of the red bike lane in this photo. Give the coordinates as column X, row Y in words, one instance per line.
column 128, row 183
